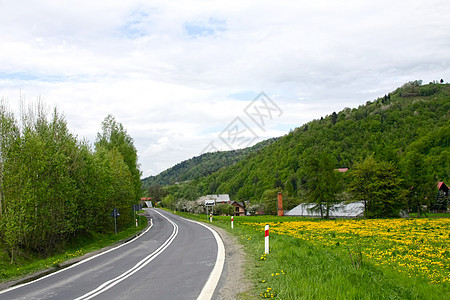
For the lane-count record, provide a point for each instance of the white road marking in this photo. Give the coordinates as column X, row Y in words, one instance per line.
column 110, row 283
column 76, row 264
column 210, row 285
column 206, row 293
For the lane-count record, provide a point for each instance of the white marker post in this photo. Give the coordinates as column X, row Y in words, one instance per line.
column 231, row 222
column 266, row 239
column 210, row 218
column 136, row 223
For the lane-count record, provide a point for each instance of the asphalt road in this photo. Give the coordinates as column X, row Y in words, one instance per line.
column 173, row 260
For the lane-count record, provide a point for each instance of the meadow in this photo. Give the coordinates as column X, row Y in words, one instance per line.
column 415, row 247
column 344, row 259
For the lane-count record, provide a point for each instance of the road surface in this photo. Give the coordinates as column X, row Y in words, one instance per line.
column 174, row 259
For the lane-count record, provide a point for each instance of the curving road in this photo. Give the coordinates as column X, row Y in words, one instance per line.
column 175, row 259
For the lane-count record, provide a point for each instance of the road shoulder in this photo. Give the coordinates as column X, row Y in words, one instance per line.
column 233, row 281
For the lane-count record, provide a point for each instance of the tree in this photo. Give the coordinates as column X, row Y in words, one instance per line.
column 114, row 136
column 378, row 186
column 269, row 201
column 334, row 118
column 54, row 188
column 168, row 202
column 418, row 179
column 323, row 183
column 157, row 193
column 9, row 133
column 224, row 209
column 41, row 207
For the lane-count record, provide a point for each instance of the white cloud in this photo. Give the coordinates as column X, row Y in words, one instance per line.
column 177, row 74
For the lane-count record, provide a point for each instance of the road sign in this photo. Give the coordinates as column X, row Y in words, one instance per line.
column 210, row 202
column 137, row 207
column 115, row 213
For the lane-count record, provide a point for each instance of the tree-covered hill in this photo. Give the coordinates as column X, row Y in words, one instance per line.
column 407, row 125
column 202, row 165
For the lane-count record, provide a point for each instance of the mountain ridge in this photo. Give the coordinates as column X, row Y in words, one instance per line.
column 413, row 118
column 202, row 165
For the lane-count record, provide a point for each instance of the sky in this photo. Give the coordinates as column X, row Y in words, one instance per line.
column 188, row 77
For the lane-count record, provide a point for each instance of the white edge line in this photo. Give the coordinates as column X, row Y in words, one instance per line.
column 211, row 284
column 112, row 282
column 78, row 263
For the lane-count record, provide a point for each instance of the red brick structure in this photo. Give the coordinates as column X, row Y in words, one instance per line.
column 280, row 205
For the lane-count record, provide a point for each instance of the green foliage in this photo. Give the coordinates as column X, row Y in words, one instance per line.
column 415, row 88
column 269, row 201
column 420, row 179
column 388, row 128
column 114, row 136
column 224, row 209
column 201, row 166
column 54, row 188
column 323, row 183
column 168, row 202
column 156, row 192
column 378, row 186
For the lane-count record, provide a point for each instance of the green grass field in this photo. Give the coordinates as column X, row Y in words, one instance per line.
column 298, row 268
column 431, row 215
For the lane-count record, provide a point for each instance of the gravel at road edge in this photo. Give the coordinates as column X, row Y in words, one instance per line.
column 233, row 281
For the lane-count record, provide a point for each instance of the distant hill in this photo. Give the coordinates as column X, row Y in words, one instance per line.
column 413, row 118
column 201, row 166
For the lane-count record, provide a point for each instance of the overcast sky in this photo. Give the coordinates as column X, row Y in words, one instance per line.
column 184, row 77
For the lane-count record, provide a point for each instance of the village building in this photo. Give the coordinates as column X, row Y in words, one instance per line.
column 210, row 200
column 239, row 209
column 146, row 202
column 443, row 189
column 441, row 203
column 350, row 210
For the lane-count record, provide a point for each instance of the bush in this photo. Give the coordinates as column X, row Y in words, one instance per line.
column 224, row 209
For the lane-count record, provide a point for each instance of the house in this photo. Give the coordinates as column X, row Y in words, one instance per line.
column 341, row 170
column 441, row 203
column 210, row 200
column 443, row 188
column 350, row 210
column 239, row 208
column 146, row 202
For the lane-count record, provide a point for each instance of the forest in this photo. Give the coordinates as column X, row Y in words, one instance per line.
column 201, row 166
column 55, row 188
column 396, row 148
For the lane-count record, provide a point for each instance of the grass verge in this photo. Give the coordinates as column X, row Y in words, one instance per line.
column 298, row 269
column 430, row 215
column 81, row 246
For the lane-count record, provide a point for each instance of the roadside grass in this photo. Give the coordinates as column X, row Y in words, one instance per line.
column 27, row 265
column 430, row 215
column 299, row 268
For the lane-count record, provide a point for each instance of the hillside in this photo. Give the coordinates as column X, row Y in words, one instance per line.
column 202, row 165
column 412, row 119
